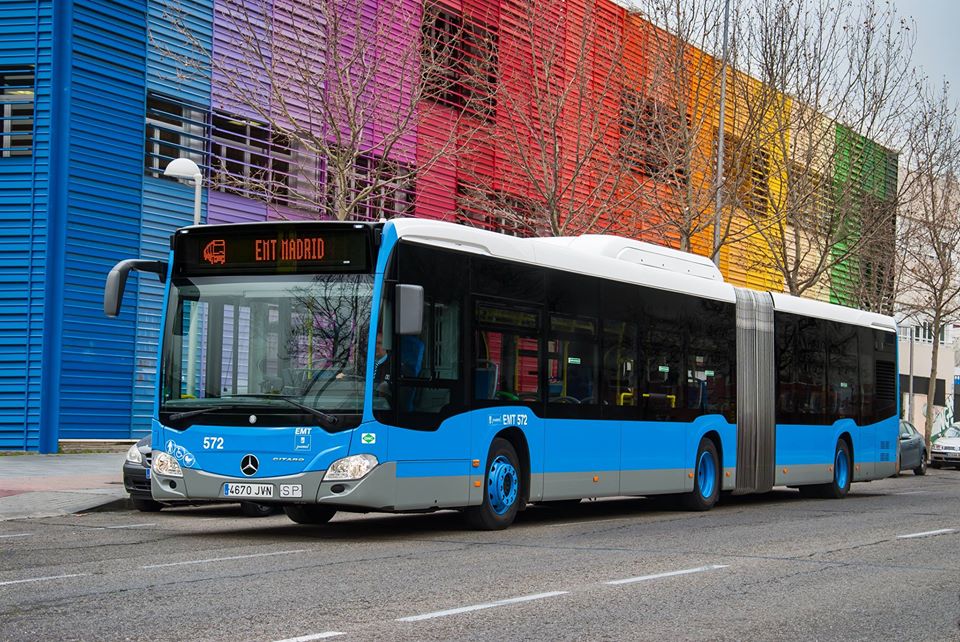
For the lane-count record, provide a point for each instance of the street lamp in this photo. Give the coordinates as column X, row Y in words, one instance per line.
column 188, row 170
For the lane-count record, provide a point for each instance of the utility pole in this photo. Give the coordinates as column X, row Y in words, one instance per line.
column 718, row 207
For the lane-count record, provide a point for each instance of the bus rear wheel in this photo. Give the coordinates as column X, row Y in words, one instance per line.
column 309, row 514
column 842, row 476
column 501, row 499
column 706, row 478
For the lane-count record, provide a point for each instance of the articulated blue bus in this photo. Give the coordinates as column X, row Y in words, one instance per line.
column 417, row 365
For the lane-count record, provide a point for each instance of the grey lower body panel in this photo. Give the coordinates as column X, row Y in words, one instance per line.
column 381, row 489
column 805, row 474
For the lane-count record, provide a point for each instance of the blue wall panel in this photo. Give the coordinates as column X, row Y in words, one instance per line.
column 177, row 32
column 178, row 55
column 167, row 205
column 25, row 39
column 103, row 219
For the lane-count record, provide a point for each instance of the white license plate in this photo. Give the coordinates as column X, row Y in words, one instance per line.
column 248, row 490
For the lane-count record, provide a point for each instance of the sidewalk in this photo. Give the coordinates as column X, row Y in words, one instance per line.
column 48, row 485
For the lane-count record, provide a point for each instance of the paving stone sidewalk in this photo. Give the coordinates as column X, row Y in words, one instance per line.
column 49, row 485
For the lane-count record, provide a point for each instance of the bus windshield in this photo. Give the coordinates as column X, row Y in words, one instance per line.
column 270, row 350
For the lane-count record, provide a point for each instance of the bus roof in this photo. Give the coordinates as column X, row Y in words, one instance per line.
column 620, row 259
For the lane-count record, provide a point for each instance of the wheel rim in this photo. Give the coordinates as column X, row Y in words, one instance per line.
column 842, row 468
column 706, row 475
column 502, row 485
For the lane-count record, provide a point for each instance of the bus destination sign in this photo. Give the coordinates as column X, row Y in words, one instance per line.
column 269, row 249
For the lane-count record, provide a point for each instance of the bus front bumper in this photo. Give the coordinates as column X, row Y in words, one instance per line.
column 375, row 491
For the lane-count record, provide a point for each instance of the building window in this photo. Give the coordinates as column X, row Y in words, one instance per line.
column 375, row 189
column 650, row 138
column 249, row 160
column 174, row 130
column 16, row 100
column 459, row 60
column 499, row 211
column 746, row 170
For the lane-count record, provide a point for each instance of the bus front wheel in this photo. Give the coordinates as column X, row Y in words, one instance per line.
column 501, row 498
column 706, row 478
column 309, row 514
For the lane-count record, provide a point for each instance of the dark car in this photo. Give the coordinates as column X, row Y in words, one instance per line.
column 136, row 479
column 913, row 451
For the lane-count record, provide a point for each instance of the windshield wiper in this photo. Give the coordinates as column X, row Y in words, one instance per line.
column 330, row 420
column 180, row 416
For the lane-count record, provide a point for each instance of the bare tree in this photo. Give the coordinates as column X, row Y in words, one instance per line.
column 815, row 184
column 929, row 231
column 554, row 126
column 338, row 90
column 671, row 97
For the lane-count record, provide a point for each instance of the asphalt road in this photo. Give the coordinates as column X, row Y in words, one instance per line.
column 882, row 564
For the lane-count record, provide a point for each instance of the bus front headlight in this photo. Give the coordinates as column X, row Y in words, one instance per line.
column 353, row 467
column 166, row 464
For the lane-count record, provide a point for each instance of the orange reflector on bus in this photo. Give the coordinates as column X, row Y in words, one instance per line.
column 476, row 463
column 728, row 473
column 784, row 471
column 596, row 478
column 690, row 475
column 477, row 484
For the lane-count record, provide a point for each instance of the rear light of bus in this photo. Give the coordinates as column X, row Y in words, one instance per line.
column 353, row 467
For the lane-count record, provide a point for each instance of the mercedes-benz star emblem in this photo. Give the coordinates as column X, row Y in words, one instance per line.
column 249, row 465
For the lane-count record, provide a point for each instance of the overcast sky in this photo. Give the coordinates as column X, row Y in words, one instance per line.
column 937, row 48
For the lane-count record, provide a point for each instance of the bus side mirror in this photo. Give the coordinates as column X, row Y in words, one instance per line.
column 117, row 281
column 409, row 319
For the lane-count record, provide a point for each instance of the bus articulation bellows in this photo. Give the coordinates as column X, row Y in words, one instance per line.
column 417, row 365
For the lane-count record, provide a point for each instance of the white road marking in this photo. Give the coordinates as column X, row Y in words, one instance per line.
column 914, row 492
column 315, row 636
column 127, row 526
column 927, row 533
column 478, row 607
column 16, row 535
column 656, row 576
column 41, row 579
column 224, row 559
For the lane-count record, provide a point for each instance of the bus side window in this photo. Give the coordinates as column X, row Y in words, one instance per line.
column 429, row 381
column 664, row 332
column 619, row 363
column 507, row 353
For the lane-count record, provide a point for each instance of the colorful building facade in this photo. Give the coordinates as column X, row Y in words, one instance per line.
column 99, row 95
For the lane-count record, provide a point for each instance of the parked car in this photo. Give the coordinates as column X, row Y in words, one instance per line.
column 945, row 451
column 913, row 451
column 136, row 479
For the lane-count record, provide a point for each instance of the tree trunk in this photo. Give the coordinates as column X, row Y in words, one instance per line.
column 932, row 383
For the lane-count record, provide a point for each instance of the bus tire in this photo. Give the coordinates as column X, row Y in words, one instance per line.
column 309, row 513
column 706, row 478
column 842, row 476
column 502, row 484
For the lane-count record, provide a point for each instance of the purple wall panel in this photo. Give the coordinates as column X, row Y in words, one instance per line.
column 241, row 49
column 397, row 72
column 299, row 58
column 282, row 213
column 230, row 208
